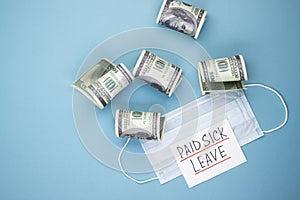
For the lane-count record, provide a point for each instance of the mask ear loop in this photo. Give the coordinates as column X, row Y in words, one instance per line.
column 282, row 101
column 123, row 171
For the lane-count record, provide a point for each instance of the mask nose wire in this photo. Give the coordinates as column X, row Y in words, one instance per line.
column 282, row 101
column 125, row 173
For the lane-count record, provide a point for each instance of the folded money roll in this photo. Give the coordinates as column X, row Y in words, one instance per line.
column 181, row 17
column 157, row 72
column 140, row 125
column 103, row 81
column 222, row 74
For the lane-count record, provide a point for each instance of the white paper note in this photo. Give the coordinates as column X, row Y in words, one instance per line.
column 208, row 153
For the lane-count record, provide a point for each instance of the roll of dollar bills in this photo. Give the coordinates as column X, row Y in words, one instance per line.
column 181, row 17
column 157, row 72
column 223, row 69
column 103, row 81
column 140, row 125
column 222, row 74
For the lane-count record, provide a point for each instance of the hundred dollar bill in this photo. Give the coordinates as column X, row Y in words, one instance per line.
column 181, row 17
column 140, row 125
column 210, row 87
column 157, row 72
column 223, row 69
column 102, row 82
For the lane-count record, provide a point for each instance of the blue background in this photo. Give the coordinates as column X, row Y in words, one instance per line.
column 42, row 45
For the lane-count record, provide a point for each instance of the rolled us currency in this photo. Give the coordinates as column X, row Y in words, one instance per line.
column 222, row 74
column 181, row 17
column 103, row 81
column 140, row 125
column 157, row 72
column 223, row 69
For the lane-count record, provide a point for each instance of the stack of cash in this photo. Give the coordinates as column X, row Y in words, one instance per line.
column 157, row 72
column 222, row 74
column 140, row 125
column 181, row 17
column 102, row 82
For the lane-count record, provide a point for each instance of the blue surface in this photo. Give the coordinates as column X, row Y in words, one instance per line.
column 42, row 46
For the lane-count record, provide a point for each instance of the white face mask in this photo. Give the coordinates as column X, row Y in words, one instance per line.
column 197, row 116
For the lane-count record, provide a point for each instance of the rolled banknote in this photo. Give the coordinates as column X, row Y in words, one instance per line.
column 103, row 81
column 140, row 125
column 181, row 17
column 223, row 70
column 157, row 72
column 222, row 74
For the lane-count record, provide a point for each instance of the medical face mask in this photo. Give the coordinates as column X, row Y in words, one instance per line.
column 196, row 116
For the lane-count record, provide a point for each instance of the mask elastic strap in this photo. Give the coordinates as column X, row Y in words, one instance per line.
column 123, row 171
column 282, row 101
